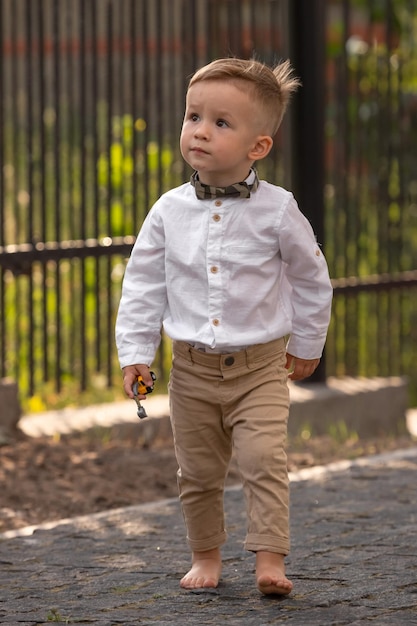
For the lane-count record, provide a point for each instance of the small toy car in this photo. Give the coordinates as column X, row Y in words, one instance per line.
column 139, row 388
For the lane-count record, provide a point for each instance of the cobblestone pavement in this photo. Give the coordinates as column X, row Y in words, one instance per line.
column 354, row 559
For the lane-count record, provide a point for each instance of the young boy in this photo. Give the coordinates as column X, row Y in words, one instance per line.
column 230, row 268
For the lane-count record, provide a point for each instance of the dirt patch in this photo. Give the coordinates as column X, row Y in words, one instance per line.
column 47, row 479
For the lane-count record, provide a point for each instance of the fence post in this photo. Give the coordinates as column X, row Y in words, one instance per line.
column 10, row 410
column 307, row 54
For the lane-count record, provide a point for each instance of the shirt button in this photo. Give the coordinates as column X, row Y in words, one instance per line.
column 214, row 269
column 216, row 322
column 217, row 217
column 317, row 252
column 218, row 203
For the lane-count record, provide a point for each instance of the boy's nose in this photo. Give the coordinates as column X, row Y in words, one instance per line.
column 201, row 131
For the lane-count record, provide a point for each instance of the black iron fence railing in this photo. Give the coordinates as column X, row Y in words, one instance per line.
column 378, row 282
column 91, row 103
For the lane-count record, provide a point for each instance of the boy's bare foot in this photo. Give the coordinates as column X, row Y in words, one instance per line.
column 270, row 574
column 205, row 571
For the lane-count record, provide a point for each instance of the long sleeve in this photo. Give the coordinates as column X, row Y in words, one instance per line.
column 311, row 291
column 144, row 298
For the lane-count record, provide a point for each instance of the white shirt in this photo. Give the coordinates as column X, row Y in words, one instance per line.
column 223, row 273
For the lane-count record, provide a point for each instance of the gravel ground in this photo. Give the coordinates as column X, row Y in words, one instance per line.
column 50, row 478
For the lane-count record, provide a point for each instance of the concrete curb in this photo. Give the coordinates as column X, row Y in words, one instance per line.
column 365, row 406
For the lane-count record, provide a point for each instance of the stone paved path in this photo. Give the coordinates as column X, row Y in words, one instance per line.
column 354, row 560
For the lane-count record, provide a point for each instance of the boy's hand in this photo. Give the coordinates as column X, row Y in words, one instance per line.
column 130, row 375
column 301, row 368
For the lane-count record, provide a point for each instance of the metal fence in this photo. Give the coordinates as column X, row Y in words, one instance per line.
column 371, row 188
column 91, row 103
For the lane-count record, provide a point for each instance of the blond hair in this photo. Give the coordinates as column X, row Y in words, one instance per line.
column 270, row 87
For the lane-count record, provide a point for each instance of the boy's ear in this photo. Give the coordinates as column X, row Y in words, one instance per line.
column 261, row 148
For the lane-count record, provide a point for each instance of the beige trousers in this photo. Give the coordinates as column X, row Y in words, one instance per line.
column 221, row 402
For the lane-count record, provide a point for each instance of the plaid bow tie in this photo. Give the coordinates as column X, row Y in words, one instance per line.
column 238, row 190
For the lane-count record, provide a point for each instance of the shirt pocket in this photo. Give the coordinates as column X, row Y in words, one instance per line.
column 246, row 251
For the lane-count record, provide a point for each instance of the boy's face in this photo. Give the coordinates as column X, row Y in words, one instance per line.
column 219, row 136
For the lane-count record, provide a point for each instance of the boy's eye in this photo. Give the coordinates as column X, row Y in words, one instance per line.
column 222, row 123
column 194, row 117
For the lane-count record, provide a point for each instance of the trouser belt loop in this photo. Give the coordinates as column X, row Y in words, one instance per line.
column 190, row 353
column 247, row 357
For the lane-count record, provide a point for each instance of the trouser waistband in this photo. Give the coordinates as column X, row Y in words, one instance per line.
column 249, row 356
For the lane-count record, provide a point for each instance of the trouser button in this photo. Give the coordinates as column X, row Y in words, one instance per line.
column 229, row 360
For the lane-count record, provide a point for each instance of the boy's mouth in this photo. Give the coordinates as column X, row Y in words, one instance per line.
column 198, row 150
